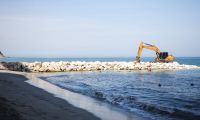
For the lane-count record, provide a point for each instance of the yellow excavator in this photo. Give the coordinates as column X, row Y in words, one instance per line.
column 161, row 56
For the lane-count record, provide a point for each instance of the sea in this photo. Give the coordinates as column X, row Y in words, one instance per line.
column 155, row 95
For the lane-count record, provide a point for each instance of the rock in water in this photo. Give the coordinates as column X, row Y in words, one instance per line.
column 1, row 55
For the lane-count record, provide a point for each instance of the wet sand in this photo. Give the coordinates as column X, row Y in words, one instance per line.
column 21, row 101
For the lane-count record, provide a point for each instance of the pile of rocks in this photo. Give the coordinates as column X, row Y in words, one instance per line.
column 90, row 66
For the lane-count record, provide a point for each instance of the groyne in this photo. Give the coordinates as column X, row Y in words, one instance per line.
column 90, row 66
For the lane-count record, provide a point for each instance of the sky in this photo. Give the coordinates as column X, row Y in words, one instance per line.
column 98, row 28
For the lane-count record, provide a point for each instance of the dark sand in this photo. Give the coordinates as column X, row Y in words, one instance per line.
column 21, row 101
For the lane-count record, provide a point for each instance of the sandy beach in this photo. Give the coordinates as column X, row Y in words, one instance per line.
column 21, row 101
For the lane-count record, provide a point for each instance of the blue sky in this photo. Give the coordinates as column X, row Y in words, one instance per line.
column 98, row 28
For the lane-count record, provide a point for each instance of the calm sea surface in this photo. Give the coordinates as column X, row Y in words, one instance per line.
column 154, row 95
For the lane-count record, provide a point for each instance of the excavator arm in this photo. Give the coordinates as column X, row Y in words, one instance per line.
column 147, row 46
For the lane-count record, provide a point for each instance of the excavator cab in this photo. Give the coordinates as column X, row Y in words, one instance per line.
column 163, row 55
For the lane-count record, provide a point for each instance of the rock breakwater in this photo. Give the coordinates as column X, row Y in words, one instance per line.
column 90, row 66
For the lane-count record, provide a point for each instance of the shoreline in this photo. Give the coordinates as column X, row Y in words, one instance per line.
column 88, row 107
column 22, row 101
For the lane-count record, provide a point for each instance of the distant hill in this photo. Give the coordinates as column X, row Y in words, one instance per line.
column 1, row 55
